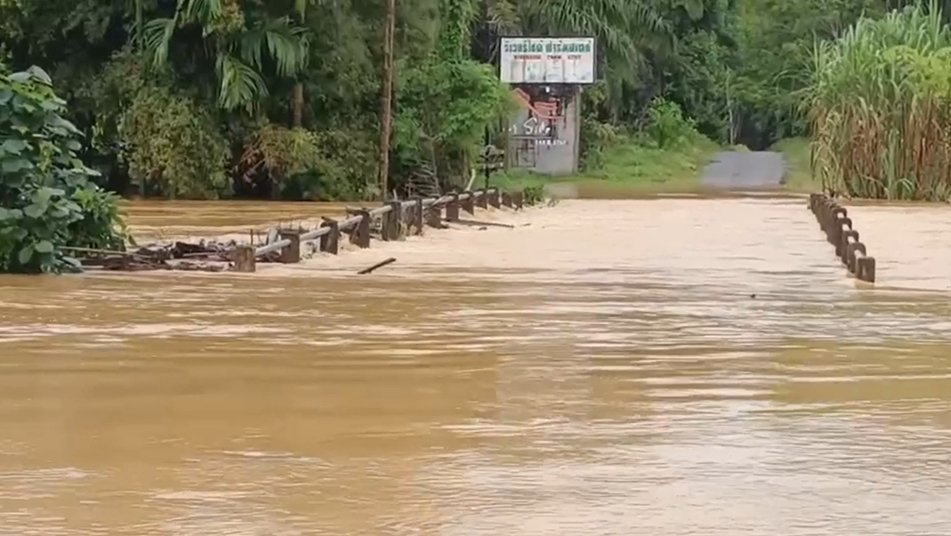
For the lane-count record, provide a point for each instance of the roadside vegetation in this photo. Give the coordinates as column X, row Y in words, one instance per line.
column 207, row 99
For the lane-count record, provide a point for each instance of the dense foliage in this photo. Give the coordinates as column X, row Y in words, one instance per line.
column 47, row 201
column 208, row 98
column 879, row 110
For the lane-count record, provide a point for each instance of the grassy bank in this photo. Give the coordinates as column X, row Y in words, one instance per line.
column 799, row 176
column 629, row 169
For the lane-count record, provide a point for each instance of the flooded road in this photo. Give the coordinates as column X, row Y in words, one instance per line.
column 666, row 367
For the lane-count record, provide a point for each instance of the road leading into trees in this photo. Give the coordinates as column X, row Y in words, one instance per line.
column 745, row 171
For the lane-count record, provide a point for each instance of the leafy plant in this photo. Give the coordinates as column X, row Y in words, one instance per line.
column 667, row 126
column 47, row 202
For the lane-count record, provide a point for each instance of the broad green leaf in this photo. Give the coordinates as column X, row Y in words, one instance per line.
column 25, row 254
column 15, row 165
column 43, row 246
column 10, row 214
column 43, row 195
column 5, row 95
column 14, row 146
column 36, row 210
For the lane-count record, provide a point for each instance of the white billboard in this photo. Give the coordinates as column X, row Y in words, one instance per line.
column 547, row 60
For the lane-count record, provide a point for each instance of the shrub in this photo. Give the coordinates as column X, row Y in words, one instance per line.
column 47, row 202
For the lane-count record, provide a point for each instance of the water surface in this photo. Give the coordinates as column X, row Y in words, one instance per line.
column 665, row 367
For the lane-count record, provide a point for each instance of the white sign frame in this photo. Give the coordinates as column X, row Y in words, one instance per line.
column 548, row 60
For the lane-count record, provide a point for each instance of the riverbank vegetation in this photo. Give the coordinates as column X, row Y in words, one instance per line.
column 47, row 199
column 878, row 108
column 238, row 98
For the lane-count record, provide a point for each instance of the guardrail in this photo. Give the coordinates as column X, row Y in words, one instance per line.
column 398, row 219
column 834, row 220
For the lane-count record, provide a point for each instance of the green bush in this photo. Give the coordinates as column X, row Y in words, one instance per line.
column 47, row 201
column 667, row 126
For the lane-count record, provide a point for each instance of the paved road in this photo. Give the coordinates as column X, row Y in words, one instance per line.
column 745, row 171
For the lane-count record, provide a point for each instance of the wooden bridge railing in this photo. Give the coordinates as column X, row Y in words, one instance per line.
column 834, row 220
column 398, row 218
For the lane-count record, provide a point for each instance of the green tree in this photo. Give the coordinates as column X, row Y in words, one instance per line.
column 47, row 202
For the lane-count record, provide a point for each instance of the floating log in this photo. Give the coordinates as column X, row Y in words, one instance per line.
column 365, row 271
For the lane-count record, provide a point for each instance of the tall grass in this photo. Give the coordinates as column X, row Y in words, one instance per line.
column 879, row 104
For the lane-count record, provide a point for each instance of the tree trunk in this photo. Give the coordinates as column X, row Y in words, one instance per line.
column 386, row 117
column 297, row 100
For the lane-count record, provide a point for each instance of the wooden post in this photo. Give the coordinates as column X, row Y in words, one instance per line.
column 244, row 259
column 518, row 199
column 330, row 242
column 360, row 236
column 418, row 211
column 467, row 203
column 452, row 208
column 495, row 198
column 507, row 199
column 482, row 200
column 290, row 254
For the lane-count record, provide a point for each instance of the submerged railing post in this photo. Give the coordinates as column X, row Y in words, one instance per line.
column 330, row 242
column 290, row 254
column 434, row 216
column 507, row 199
column 482, row 200
column 494, row 198
column 452, row 208
column 418, row 211
column 360, row 236
column 393, row 221
column 244, row 260
column 467, row 203
column 835, row 222
column 518, row 199
column 865, row 269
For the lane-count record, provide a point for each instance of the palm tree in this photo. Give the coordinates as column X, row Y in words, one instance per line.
column 240, row 42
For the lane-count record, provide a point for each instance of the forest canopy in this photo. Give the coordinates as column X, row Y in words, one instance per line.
column 281, row 98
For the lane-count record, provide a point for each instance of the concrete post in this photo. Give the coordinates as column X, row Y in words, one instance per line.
column 507, row 199
column 494, row 198
column 360, row 236
column 396, row 209
column 392, row 222
column 244, row 259
column 418, row 211
column 518, row 199
column 843, row 249
column 865, row 269
column 434, row 216
column 850, row 252
column 290, row 254
column 452, row 208
column 467, row 203
column 330, row 242
column 482, row 199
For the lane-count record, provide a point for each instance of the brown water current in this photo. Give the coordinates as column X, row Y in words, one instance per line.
column 656, row 367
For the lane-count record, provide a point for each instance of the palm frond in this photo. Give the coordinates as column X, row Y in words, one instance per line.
column 202, row 11
column 156, row 37
column 241, row 85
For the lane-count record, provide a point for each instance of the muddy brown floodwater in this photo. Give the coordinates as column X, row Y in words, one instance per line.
column 604, row 370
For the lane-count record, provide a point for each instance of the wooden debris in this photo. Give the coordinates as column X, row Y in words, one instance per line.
column 365, row 271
